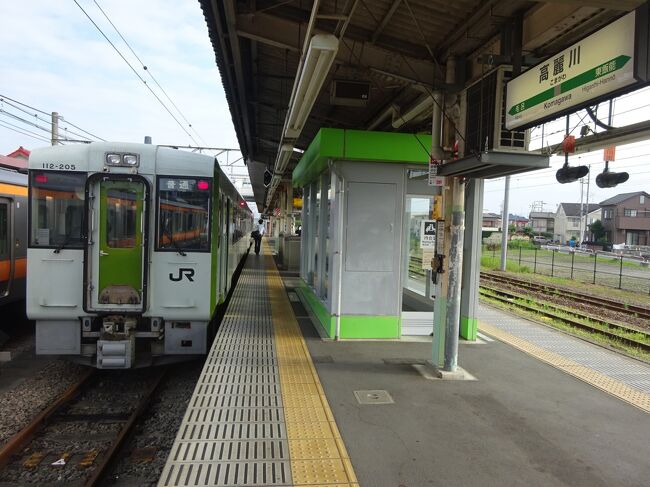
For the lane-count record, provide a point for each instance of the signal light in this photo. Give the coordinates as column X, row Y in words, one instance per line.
column 268, row 175
column 242, row 203
column 607, row 179
column 40, row 178
column 568, row 174
column 202, row 185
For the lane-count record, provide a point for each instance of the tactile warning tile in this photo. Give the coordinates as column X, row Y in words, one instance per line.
column 234, row 431
column 608, row 384
column 318, row 455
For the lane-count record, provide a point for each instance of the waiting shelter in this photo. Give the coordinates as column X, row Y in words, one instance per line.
column 366, row 196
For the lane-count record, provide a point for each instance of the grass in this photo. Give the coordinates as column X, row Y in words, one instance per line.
column 493, row 263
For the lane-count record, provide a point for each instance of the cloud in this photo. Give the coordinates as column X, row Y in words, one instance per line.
column 63, row 64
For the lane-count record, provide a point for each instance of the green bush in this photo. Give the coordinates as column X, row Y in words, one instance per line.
column 521, row 244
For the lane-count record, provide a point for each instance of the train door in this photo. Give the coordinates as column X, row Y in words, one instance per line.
column 120, row 238
column 6, row 262
column 225, row 261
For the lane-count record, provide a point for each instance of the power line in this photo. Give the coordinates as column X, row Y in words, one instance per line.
column 16, row 117
column 134, row 71
column 22, row 131
column 149, row 72
column 16, row 103
column 23, row 104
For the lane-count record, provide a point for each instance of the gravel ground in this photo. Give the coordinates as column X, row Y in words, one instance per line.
column 21, row 403
column 588, row 309
column 90, row 423
column 157, row 429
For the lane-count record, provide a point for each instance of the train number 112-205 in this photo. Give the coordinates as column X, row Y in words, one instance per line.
column 60, row 167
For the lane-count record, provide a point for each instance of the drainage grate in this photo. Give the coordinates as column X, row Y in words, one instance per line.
column 373, row 397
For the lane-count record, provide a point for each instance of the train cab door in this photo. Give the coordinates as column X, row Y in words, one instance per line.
column 120, row 243
column 6, row 262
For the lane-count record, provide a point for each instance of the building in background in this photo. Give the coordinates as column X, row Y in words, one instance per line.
column 542, row 222
column 16, row 160
column 626, row 218
column 570, row 221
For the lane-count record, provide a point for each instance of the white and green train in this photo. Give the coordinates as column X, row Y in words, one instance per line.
column 132, row 249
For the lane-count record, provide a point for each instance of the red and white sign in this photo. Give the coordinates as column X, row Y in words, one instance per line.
column 609, row 153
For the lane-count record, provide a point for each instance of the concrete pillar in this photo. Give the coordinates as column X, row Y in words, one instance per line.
column 471, row 258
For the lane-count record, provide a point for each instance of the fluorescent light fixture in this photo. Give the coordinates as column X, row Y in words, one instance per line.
column 320, row 56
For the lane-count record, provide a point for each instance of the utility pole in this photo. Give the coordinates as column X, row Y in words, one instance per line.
column 582, row 209
column 504, row 224
column 586, row 234
column 55, row 128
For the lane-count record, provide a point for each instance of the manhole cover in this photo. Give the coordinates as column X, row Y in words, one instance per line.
column 373, row 397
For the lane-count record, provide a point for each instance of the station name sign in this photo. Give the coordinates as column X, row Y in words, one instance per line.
column 604, row 64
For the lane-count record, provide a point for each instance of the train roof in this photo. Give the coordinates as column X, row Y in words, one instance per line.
column 153, row 159
column 11, row 176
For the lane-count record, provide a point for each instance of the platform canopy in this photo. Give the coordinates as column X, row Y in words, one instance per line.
column 372, row 64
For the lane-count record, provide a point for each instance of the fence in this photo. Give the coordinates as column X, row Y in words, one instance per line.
column 598, row 268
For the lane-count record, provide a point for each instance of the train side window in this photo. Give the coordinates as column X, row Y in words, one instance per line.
column 56, row 209
column 183, row 213
column 4, row 231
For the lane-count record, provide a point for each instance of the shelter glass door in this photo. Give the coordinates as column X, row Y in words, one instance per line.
column 120, row 241
column 417, row 304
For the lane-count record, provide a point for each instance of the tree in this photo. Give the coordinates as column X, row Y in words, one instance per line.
column 512, row 228
column 598, row 231
column 528, row 231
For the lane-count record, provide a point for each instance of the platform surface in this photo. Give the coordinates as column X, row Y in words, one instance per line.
column 575, row 416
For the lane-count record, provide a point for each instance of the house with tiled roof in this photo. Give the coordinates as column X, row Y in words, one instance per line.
column 542, row 222
column 626, row 218
column 16, row 160
column 20, row 153
column 570, row 220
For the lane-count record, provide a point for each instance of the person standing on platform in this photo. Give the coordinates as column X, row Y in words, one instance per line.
column 257, row 235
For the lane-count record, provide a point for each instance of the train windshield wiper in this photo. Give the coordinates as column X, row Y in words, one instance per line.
column 173, row 242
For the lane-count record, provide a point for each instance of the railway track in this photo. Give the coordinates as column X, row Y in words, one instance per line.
column 577, row 319
column 79, row 435
column 610, row 304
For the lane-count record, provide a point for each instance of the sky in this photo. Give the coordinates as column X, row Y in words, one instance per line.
column 54, row 59
column 541, row 186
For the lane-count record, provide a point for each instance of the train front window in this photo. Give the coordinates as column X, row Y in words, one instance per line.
column 183, row 213
column 57, row 209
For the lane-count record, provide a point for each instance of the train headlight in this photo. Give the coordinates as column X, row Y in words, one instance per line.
column 114, row 159
column 130, row 160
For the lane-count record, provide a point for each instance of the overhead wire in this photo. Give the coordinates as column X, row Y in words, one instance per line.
column 17, row 105
column 146, row 68
column 23, row 131
column 135, row 72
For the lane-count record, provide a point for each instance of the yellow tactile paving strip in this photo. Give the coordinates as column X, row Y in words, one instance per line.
column 318, row 455
column 603, row 382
